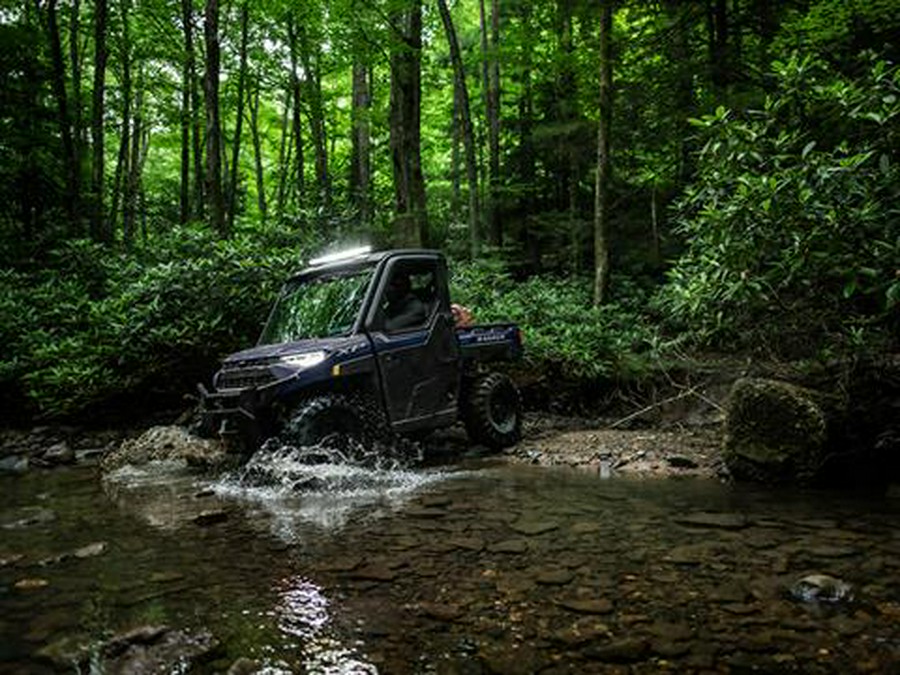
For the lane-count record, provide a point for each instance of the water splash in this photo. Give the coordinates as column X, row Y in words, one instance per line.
column 325, row 486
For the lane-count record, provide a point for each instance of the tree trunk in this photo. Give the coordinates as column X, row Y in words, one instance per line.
column 311, row 67
column 191, row 81
column 360, row 158
column 719, row 43
column 283, row 169
column 213, row 129
column 257, row 152
column 455, row 158
column 526, row 141
column 132, row 185
column 65, row 126
column 186, row 78
column 679, row 54
column 125, row 133
column 601, row 194
column 98, row 230
column 236, row 149
column 77, row 114
column 494, row 125
column 461, row 94
column 299, row 163
column 411, row 218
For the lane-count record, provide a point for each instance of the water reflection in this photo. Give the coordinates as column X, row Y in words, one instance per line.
column 302, row 611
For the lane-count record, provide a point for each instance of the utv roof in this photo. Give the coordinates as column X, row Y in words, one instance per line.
column 353, row 260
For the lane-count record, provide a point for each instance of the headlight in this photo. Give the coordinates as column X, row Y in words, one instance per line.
column 307, row 360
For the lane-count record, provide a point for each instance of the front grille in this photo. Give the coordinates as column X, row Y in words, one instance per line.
column 243, row 378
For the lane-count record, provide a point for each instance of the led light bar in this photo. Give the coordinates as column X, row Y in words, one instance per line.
column 341, row 255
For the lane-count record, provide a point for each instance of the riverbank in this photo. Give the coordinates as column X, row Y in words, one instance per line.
column 548, row 440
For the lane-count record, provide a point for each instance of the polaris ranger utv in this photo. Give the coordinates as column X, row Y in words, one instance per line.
column 362, row 345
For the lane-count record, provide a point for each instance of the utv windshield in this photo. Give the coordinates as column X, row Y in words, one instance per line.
column 317, row 308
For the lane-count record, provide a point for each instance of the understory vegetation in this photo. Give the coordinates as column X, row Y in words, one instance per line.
column 739, row 192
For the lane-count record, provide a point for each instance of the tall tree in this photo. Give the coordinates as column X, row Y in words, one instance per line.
column 299, row 163
column 461, row 99
column 213, row 128
column 311, row 57
column 122, row 171
column 65, row 125
column 187, row 74
column 236, row 147
column 99, row 232
column 492, row 107
column 411, row 218
column 360, row 154
column 257, row 151
column 602, row 187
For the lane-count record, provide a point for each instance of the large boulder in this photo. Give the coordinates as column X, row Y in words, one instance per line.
column 776, row 432
column 165, row 443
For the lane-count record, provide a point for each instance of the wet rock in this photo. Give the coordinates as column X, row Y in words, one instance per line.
column 627, row 650
column 154, row 650
column 425, row 512
column 831, row 551
column 513, row 546
column 821, row 588
column 690, row 554
column 27, row 516
column 598, row 606
column 722, row 521
column 681, row 462
column 165, row 443
column 207, row 518
column 8, row 560
column 59, row 453
column 13, row 464
column 534, row 527
column 554, row 577
column 580, row 632
column 441, row 611
column 31, row 584
column 671, row 631
column 467, row 543
column 91, row 550
column 516, row 659
column 244, row 666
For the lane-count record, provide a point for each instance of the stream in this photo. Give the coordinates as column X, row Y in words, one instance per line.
column 476, row 567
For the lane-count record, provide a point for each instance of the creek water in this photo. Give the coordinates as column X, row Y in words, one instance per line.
column 476, row 567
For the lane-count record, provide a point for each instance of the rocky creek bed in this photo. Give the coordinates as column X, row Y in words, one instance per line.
column 468, row 563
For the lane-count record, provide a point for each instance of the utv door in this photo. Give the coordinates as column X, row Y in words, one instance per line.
column 412, row 332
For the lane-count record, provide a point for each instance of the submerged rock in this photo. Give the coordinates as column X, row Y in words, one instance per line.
column 821, row 588
column 162, row 444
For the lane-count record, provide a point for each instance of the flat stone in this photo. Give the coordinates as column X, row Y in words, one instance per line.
column 598, row 606
column 554, row 577
column 722, row 521
column 91, row 550
column 534, row 527
column 31, row 584
column 831, row 551
column 467, row 543
column 10, row 559
column 627, row 650
column 671, row 631
column 688, row 554
column 586, row 527
column 441, row 611
column 509, row 546
column 13, row 464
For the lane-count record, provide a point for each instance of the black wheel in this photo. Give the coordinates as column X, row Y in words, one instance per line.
column 335, row 422
column 492, row 411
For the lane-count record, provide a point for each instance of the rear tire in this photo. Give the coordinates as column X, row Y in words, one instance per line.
column 492, row 411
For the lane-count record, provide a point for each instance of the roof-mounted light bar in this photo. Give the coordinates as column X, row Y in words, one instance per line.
column 348, row 254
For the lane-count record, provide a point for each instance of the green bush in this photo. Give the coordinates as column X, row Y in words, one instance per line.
column 560, row 326
column 99, row 323
column 791, row 226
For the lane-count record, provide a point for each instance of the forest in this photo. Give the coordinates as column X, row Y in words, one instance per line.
column 636, row 182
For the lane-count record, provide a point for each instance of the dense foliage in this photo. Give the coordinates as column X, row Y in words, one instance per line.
column 164, row 165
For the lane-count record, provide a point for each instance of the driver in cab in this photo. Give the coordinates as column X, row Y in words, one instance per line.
column 403, row 309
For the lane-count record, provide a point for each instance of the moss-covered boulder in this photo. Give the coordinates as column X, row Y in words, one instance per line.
column 775, row 432
column 165, row 443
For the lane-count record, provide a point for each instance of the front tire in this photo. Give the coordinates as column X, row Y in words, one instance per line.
column 492, row 411
column 329, row 421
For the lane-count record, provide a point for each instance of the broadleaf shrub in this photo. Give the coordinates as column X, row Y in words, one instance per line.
column 791, row 226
